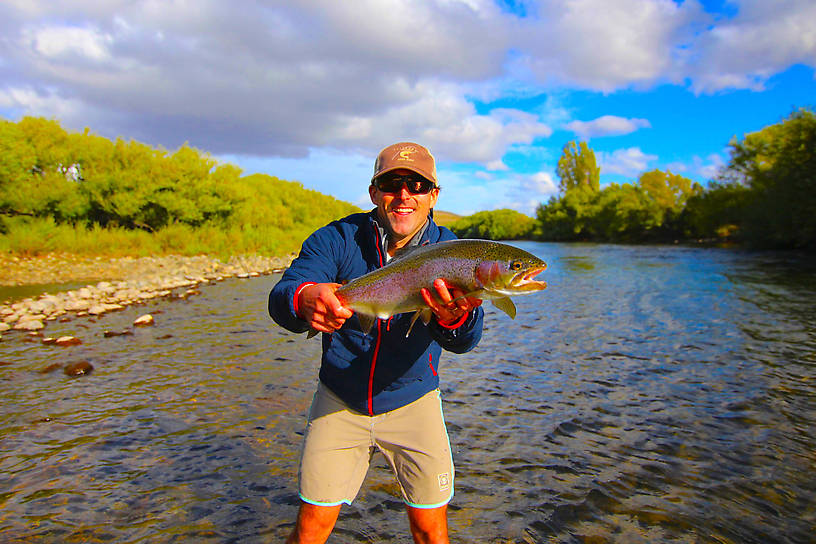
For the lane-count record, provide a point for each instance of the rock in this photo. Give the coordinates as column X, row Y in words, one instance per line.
column 68, row 341
column 124, row 332
column 144, row 320
column 78, row 369
column 77, row 305
column 96, row 309
column 105, row 287
column 85, row 292
column 29, row 325
column 49, row 340
column 125, row 281
column 50, row 368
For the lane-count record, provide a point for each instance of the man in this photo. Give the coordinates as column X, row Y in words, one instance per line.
column 378, row 390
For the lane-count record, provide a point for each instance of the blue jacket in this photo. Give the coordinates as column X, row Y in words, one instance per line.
column 381, row 371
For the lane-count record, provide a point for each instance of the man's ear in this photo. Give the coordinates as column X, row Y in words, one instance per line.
column 372, row 193
column 434, row 197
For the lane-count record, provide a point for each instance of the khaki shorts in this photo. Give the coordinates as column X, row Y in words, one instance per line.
column 341, row 442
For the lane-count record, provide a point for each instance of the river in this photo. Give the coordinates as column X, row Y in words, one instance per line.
column 650, row 394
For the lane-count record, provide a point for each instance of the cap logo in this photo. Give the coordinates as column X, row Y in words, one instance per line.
column 406, row 153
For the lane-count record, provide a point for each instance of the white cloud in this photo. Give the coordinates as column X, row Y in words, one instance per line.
column 439, row 117
column 282, row 78
column 525, row 193
column 312, row 81
column 62, row 42
column 762, row 39
column 466, row 194
column 606, row 45
column 46, row 103
column 699, row 168
column 710, row 167
column 608, row 125
column 628, row 162
column 277, row 80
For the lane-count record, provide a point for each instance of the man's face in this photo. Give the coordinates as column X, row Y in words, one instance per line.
column 403, row 212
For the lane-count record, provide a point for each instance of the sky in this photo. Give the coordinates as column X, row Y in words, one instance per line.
column 311, row 90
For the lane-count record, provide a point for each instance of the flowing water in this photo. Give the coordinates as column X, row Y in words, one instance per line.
column 650, row 394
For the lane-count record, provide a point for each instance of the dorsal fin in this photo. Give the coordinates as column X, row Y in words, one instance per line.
column 404, row 252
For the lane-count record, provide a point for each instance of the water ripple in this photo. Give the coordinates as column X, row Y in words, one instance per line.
column 650, row 394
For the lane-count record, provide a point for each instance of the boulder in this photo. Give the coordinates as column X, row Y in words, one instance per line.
column 29, row 325
column 144, row 321
column 68, row 341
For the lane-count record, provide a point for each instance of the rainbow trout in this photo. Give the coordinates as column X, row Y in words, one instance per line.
column 481, row 268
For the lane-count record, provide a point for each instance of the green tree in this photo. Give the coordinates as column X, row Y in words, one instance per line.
column 619, row 214
column 18, row 160
column 778, row 165
column 665, row 196
column 504, row 224
column 715, row 213
column 577, row 168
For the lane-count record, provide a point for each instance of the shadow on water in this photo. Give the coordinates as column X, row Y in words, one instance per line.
column 650, row 394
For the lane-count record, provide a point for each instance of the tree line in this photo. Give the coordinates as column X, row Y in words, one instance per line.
column 79, row 192
column 73, row 189
column 764, row 197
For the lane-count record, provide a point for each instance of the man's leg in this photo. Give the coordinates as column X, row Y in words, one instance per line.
column 314, row 524
column 429, row 525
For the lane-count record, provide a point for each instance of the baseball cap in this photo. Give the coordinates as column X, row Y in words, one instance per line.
column 406, row 155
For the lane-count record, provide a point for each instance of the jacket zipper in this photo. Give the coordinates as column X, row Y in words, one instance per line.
column 379, row 335
column 379, row 331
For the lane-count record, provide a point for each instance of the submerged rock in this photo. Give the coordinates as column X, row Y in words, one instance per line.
column 123, row 332
column 78, row 369
column 50, row 368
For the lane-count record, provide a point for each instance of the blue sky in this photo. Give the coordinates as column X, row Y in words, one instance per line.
column 311, row 90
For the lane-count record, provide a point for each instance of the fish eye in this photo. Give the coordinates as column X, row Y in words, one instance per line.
column 516, row 265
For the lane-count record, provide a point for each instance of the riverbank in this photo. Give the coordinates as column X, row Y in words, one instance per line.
column 112, row 283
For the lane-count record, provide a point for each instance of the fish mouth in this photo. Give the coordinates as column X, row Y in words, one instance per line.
column 525, row 280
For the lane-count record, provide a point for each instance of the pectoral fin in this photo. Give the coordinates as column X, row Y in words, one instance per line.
column 311, row 334
column 505, row 305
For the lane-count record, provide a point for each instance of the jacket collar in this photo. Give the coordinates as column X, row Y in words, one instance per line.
column 420, row 238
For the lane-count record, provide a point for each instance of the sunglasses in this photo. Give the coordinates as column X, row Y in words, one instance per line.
column 416, row 185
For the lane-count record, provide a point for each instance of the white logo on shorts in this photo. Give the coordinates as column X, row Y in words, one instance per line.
column 444, row 481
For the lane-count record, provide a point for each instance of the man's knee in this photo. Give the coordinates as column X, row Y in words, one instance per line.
column 429, row 525
column 314, row 524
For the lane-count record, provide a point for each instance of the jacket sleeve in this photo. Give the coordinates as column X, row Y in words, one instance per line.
column 464, row 337
column 316, row 263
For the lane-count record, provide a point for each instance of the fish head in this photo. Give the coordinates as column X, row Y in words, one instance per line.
column 513, row 276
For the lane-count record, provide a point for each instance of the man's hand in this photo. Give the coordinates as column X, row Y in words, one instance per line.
column 443, row 306
column 320, row 307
